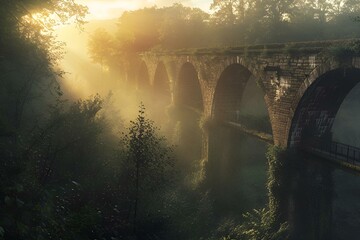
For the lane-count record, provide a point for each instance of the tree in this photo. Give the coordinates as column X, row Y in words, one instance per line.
column 29, row 51
column 33, row 22
column 101, row 47
column 224, row 11
column 28, row 85
column 139, row 30
column 183, row 27
column 148, row 165
column 145, row 29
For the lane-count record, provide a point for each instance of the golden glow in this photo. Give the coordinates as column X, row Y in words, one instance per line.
column 47, row 22
column 84, row 78
column 38, row 17
column 34, row 18
column 108, row 9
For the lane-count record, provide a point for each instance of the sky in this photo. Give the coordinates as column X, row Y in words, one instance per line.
column 107, row 9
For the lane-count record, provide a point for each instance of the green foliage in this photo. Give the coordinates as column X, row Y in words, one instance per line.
column 192, row 214
column 149, row 28
column 27, row 27
column 148, row 169
column 147, row 151
column 29, row 54
column 259, row 225
column 255, row 225
column 101, row 46
column 28, row 87
column 266, row 223
column 279, row 182
column 233, row 23
column 345, row 50
column 63, row 173
column 60, row 174
column 66, row 148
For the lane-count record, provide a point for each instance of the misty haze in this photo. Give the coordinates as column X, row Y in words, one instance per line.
column 209, row 119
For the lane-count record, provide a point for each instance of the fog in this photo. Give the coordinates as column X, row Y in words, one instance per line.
column 84, row 78
column 92, row 146
column 236, row 166
column 345, row 128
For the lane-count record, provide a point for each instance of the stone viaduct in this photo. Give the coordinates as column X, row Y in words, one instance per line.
column 303, row 84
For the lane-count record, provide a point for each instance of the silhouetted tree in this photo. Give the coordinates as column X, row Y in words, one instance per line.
column 149, row 164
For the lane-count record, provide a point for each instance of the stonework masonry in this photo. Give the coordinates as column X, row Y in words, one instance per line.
column 283, row 71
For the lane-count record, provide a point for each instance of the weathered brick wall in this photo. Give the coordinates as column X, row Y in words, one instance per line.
column 282, row 74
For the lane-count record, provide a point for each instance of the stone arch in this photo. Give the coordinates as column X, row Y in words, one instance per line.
column 161, row 96
column 224, row 141
column 228, row 91
column 188, row 102
column 313, row 76
column 187, row 88
column 318, row 100
column 161, row 86
column 143, row 78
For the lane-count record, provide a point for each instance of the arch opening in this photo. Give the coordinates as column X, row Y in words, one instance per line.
column 143, row 79
column 161, row 87
column 238, row 103
column 229, row 92
column 189, row 107
column 188, row 91
column 316, row 111
column 238, row 99
column 143, row 84
column 160, row 95
column 236, row 160
column 253, row 112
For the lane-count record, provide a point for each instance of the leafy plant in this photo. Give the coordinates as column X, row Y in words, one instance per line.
column 256, row 225
column 148, row 166
column 345, row 50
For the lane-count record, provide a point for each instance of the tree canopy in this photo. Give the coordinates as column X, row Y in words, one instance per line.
column 142, row 30
column 233, row 22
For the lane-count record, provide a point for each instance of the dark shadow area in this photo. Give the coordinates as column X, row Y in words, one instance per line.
column 236, row 162
column 319, row 105
column 143, row 83
column 229, row 91
column 188, row 107
column 236, row 172
column 320, row 198
column 187, row 88
column 161, row 95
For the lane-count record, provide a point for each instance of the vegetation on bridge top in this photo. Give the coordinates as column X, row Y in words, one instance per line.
column 336, row 48
column 235, row 27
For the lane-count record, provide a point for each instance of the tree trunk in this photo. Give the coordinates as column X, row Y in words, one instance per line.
column 136, row 196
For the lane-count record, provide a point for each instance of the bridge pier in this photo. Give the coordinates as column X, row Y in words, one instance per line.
column 284, row 72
